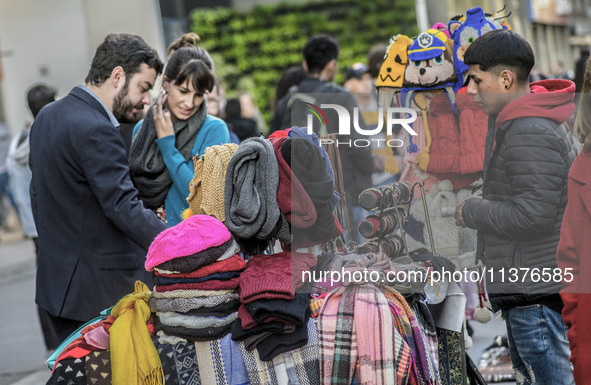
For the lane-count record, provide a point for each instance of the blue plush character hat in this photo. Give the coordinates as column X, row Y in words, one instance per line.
column 463, row 34
column 426, row 47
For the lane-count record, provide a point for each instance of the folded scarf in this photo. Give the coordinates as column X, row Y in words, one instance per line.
column 292, row 199
column 196, row 261
column 293, row 311
column 207, row 187
column 194, row 293
column 267, row 277
column 193, row 322
column 134, row 358
column 297, row 132
column 271, row 347
column 248, row 322
column 161, row 280
column 240, row 334
column 146, row 163
column 251, row 185
column 220, row 362
column 206, row 334
column 219, row 311
column 234, row 263
column 209, row 285
column 184, row 305
column 199, row 236
column 309, row 168
column 251, row 342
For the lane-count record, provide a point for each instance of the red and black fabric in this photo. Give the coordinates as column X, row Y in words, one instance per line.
column 292, row 198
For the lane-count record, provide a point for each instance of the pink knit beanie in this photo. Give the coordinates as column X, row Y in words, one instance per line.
column 194, row 234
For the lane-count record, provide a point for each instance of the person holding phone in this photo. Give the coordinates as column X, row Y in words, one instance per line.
column 175, row 130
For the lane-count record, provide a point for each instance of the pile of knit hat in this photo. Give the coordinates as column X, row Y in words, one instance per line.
column 273, row 317
column 196, row 268
column 306, row 192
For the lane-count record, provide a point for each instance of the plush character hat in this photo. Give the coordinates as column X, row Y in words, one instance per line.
column 429, row 44
column 463, row 34
column 395, row 62
column 194, row 234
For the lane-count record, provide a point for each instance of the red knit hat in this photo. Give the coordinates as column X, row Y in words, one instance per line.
column 267, row 277
column 191, row 236
column 292, row 199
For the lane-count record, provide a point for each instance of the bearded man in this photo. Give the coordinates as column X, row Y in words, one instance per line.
column 93, row 229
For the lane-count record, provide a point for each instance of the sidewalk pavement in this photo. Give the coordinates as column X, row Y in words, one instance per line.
column 14, row 264
column 17, row 285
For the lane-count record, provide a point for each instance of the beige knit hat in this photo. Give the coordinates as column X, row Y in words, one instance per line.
column 207, row 186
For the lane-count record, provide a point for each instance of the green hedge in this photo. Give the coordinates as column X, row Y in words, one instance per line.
column 252, row 49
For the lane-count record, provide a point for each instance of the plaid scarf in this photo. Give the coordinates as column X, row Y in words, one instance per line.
column 355, row 325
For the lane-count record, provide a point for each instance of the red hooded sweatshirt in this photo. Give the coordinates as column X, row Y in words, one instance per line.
column 552, row 98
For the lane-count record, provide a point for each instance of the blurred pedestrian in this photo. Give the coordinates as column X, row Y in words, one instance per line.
column 358, row 82
column 580, row 68
column 250, row 110
column 93, row 229
column 574, row 246
column 529, row 150
column 19, row 179
column 288, row 81
column 5, row 194
column 243, row 128
column 176, row 129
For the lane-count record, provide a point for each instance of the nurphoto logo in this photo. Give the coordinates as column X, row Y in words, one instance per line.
column 394, row 116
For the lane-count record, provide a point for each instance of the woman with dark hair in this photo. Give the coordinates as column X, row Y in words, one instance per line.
column 291, row 77
column 176, row 129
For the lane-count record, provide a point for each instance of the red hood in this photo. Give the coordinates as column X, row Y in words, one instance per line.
column 552, row 98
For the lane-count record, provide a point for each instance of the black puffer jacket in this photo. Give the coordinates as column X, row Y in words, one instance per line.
column 525, row 194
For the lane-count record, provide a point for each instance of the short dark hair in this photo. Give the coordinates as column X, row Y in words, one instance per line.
column 38, row 97
column 233, row 107
column 319, row 51
column 189, row 62
column 290, row 77
column 127, row 51
column 502, row 49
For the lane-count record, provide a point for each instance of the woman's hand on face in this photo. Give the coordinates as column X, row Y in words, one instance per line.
column 162, row 119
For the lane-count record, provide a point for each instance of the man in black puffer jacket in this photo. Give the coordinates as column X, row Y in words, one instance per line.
column 528, row 154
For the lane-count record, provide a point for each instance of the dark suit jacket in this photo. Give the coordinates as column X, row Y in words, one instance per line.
column 93, row 229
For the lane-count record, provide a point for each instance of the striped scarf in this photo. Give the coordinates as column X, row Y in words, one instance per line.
column 424, row 366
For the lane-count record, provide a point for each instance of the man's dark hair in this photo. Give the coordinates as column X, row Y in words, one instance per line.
column 319, row 51
column 502, row 49
column 38, row 97
column 127, row 51
column 233, row 108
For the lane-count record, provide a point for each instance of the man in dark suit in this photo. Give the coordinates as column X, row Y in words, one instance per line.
column 93, row 229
